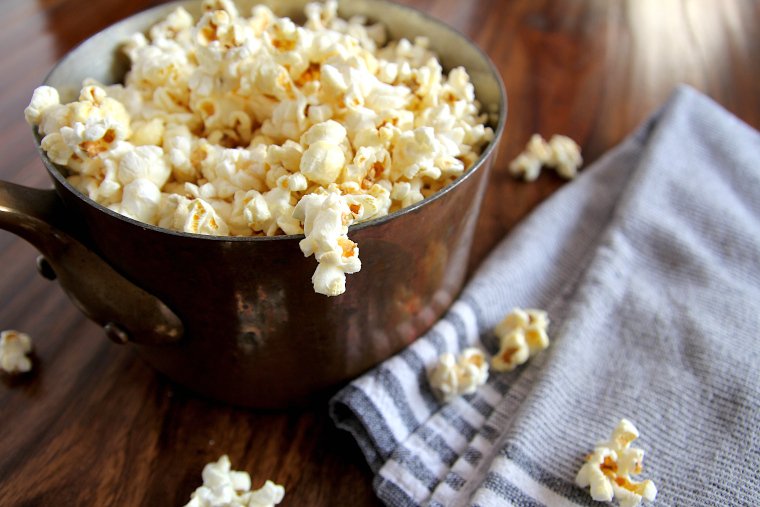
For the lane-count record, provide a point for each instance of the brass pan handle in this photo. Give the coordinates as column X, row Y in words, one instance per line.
column 126, row 312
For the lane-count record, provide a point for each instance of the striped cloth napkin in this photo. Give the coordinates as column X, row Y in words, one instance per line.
column 649, row 267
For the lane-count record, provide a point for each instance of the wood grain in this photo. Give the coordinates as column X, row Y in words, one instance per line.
column 93, row 425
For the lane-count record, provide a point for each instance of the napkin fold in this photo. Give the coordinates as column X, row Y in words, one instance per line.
column 649, row 267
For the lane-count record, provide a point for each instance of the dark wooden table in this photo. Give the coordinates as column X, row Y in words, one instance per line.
column 93, row 425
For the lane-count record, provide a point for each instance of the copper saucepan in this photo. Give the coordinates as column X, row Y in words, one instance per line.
column 236, row 318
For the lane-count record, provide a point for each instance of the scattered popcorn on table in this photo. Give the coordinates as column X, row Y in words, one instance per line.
column 522, row 334
column 609, row 468
column 561, row 153
column 14, row 347
column 223, row 487
column 225, row 124
column 452, row 377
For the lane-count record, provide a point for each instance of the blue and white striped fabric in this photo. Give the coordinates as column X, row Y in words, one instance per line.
column 649, row 267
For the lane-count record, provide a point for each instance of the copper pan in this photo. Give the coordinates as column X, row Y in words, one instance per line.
column 236, row 319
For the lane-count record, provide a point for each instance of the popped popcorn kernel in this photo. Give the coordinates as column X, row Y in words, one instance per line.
column 566, row 156
column 522, row 334
column 195, row 215
column 326, row 218
column 452, row 377
column 43, row 98
column 223, row 486
column 226, row 123
column 608, row 470
column 141, row 199
column 14, row 348
column 561, row 154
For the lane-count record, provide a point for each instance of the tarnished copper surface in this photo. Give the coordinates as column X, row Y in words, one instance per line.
column 255, row 333
column 94, row 286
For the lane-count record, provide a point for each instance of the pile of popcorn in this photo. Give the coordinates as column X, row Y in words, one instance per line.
column 14, row 348
column 223, row 487
column 452, row 377
column 609, row 468
column 561, row 153
column 246, row 126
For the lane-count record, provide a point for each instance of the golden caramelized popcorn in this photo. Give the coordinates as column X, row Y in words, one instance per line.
column 223, row 486
column 452, row 377
column 608, row 470
column 224, row 124
column 14, row 348
column 522, row 334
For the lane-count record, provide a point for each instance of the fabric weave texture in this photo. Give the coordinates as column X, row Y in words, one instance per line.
column 649, row 267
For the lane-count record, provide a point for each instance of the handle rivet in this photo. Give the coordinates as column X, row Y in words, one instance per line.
column 45, row 269
column 116, row 333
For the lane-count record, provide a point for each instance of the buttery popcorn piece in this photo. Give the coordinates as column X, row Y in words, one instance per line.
column 326, row 218
column 561, row 153
column 452, row 377
column 43, row 98
column 236, row 120
column 608, row 470
column 522, row 334
column 14, row 347
column 566, row 156
column 223, row 487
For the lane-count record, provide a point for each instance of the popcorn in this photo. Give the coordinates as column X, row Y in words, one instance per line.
column 226, row 123
column 560, row 153
column 268, row 212
column 141, row 200
column 326, row 218
column 43, row 98
column 14, row 347
column 146, row 133
column 451, row 377
column 145, row 162
column 609, row 468
column 566, row 156
column 522, row 334
column 324, row 158
column 191, row 215
column 223, row 487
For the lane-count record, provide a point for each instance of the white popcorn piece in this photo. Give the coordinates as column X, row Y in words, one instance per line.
column 322, row 162
column 592, row 474
column 324, row 158
column 269, row 212
column 94, row 137
column 141, row 200
column 526, row 166
column 225, row 123
column 145, row 162
column 608, row 470
column 57, row 149
column 176, row 23
column 220, row 5
column 43, row 98
column 537, row 147
column 268, row 495
column 191, row 215
column 561, row 153
column 14, row 347
column 224, row 487
column 452, row 377
column 325, row 220
column 522, row 334
column 566, row 156
column 147, row 133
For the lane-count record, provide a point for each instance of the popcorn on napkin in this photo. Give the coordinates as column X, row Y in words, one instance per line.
column 608, row 470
